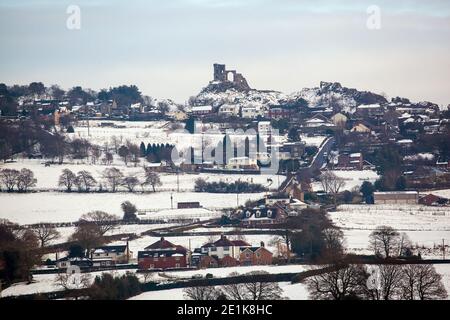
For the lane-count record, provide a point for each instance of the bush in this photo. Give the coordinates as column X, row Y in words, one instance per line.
column 223, row 187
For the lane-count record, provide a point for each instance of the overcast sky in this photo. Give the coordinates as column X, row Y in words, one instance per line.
column 167, row 47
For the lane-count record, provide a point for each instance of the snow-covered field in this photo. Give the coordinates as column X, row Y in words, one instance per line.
column 291, row 291
column 65, row 207
column 298, row 291
column 43, row 283
column 353, row 178
column 137, row 229
column 47, row 177
column 425, row 226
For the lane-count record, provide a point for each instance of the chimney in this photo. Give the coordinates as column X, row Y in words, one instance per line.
column 262, row 244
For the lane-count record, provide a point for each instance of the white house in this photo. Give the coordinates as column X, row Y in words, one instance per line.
column 224, row 247
column 229, row 110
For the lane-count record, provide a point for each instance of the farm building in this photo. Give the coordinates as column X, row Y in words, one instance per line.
column 396, row 197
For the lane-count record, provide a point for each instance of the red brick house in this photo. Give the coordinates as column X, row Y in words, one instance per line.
column 228, row 261
column 261, row 216
column 252, row 256
column 350, row 161
column 206, row 261
column 163, row 254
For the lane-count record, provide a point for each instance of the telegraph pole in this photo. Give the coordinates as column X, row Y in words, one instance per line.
column 443, row 249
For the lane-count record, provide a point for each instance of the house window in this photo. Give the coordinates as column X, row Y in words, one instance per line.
column 258, row 255
column 247, row 255
column 226, row 248
column 177, row 265
column 213, row 249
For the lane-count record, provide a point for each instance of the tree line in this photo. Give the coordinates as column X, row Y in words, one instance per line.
column 201, row 185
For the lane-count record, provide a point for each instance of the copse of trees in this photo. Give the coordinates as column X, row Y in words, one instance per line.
column 223, row 187
column 14, row 180
column 387, row 242
column 107, row 287
column 129, row 211
column 18, row 250
column 381, row 282
column 252, row 289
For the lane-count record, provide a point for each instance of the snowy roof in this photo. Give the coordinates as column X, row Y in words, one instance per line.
column 201, row 108
column 368, row 106
column 405, row 141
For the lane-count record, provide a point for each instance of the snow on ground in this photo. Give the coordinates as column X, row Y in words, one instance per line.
column 65, row 207
column 43, row 283
column 353, row 178
column 146, row 131
column 444, row 271
column 224, row 272
column 47, row 177
column 170, row 294
column 137, row 229
column 425, row 226
column 291, row 291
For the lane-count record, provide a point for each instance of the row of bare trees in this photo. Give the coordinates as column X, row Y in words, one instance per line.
column 380, row 282
column 252, row 289
column 114, row 178
column 14, row 180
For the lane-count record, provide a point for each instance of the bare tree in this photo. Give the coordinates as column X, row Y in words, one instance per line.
column 422, row 282
column 152, row 178
column 200, row 293
column 235, row 291
column 129, row 210
column 130, row 182
column 134, row 152
column 332, row 184
column 45, row 234
column 113, row 177
column 96, row 153
column 384, row 241
column 85, row 181
column 386, row 280
column 404, row 245
column 88, row 235
column 256, row 290
column 345, row 282
column 103, row 220
column 67, row 179
column 115, row 142
column 73, row 281
column 334, row 243
column 25, row 180
column 8, row 178
column 124, row 153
